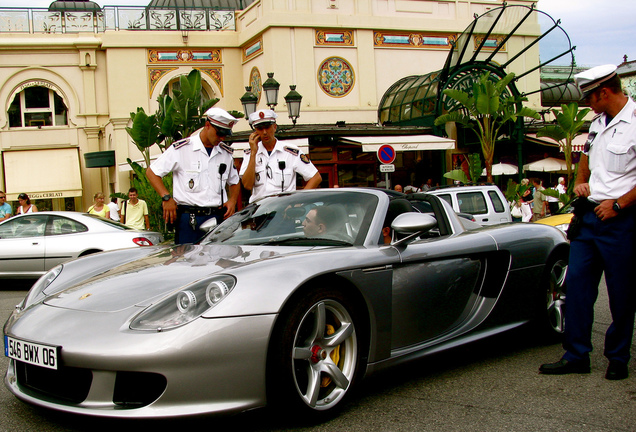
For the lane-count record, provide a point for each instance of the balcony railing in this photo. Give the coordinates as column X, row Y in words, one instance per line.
column 33, row 20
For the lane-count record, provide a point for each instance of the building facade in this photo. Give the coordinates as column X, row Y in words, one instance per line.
column 70, row 79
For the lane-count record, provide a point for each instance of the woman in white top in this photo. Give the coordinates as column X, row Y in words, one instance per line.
column 25, row 204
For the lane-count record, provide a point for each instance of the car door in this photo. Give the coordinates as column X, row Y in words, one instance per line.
column 22, row 245
column 437, row 287
column 440, row 285
column 65, row 240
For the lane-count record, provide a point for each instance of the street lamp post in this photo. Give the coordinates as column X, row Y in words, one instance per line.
column 293, row 100
column 270, row 88
column 249, row 102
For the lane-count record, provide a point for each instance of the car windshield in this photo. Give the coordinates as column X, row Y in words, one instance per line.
column 326, row 218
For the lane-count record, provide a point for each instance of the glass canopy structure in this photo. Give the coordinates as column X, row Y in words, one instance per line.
column 485, row 46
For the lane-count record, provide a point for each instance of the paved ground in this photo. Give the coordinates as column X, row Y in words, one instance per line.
column 489, row 386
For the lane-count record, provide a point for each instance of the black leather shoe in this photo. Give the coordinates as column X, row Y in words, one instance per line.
column 616, row 370
column 563, row 367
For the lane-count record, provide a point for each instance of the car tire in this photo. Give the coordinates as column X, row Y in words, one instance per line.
column 554, row 298
column 316, row 353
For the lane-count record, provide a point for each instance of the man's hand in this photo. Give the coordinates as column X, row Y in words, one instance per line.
column 169, row 210
column 604, row 210
column 582, row 190
column 254, row 140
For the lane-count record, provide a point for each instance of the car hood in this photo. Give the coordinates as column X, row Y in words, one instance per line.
column 141, row 282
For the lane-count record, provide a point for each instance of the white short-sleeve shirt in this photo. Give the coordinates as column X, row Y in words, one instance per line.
column 197, row 180
column 276, row 172
column 612, row 154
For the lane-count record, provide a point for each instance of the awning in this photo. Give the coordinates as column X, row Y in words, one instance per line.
column 402, row 142
column 239, row 149
column 578, row 143
column 35, row 172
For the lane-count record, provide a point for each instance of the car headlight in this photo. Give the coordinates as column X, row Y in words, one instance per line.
column 36, row 293
column 185, row 305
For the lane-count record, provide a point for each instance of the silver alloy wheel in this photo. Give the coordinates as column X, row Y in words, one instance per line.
column 556, row 296
column 325, row 354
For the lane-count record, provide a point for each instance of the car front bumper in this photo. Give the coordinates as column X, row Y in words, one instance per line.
column 207, row 366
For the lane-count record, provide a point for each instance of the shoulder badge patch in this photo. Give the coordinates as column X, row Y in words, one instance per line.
column 181, row 143
column 292, row 150
column 227, row 148
column 304, row 158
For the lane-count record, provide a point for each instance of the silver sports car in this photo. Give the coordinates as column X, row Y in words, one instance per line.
column 31, row 244
column 290, row 302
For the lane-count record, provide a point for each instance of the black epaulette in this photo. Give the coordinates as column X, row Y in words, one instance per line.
column 596, row 116
column 181, row 143
column 292, row 150
column 227, row 148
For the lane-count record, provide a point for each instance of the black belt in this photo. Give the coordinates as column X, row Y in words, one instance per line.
column 200, row 211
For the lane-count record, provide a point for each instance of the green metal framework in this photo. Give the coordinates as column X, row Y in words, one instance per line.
column 419, row 99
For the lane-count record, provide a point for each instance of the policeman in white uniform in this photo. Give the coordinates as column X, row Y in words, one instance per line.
column 270, row 166
column 605, row 239
column 202, row 167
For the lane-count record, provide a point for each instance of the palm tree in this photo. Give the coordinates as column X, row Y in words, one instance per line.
column 568, row 126
column 485, row 111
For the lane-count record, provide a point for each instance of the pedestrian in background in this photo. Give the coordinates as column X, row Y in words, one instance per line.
column 99, row 208
column 603, row 231
column 525, row 199
column 5, row 209
column 134, row 212
column 114, row 209
column 539, row 202
column 25, row 205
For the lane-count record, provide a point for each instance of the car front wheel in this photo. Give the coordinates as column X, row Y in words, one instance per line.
column 316, row 357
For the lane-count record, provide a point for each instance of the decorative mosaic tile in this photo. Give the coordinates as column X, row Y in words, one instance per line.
column 336, row 77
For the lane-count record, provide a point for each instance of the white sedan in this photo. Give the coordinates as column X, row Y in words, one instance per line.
column 33, row 243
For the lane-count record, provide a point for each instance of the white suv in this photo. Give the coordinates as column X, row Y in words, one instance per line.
column 486, row 203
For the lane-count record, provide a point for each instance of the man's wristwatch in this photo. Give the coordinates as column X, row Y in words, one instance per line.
column 166, row 197
column 616, row 207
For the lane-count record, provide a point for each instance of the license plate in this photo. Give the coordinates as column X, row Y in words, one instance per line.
column 28, row 352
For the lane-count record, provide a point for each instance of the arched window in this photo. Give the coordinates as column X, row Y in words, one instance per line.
column 37, row 106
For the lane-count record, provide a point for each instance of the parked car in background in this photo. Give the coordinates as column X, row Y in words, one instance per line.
column 560, row 219
column 485, row 202
column 31, row 244
column 278, row 306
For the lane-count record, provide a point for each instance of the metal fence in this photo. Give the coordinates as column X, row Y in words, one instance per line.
column 32, row 20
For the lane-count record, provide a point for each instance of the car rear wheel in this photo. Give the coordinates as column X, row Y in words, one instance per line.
column 316, row 357
column 555, row 297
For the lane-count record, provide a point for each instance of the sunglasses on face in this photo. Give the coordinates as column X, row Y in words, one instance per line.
column 221, row 132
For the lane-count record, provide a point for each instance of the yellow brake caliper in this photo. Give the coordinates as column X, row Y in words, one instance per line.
column 335, row 356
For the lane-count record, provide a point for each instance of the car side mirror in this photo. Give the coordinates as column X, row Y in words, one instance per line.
column 208, row 225
column 411, row 225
